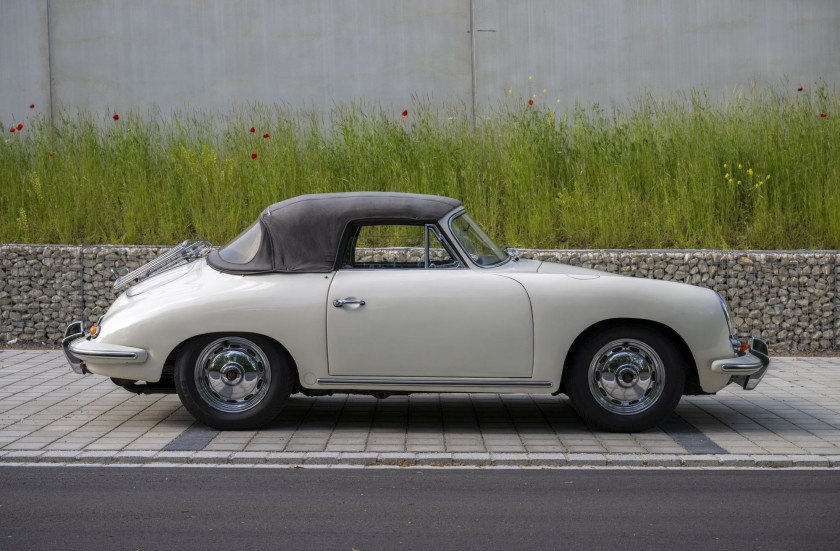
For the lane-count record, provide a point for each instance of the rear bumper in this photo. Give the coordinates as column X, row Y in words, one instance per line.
column 79, row 350
column 749, row 369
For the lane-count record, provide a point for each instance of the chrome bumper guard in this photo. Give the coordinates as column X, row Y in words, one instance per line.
column 78, row 349
column 74, row 331
column 749, row 369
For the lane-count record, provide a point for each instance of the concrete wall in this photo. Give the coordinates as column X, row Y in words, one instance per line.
column 788, row 298
column 111, row 54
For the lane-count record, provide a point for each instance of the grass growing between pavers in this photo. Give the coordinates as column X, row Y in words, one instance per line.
column 757, row 169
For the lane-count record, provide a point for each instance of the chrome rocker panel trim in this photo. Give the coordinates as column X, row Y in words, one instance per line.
column 431, row 382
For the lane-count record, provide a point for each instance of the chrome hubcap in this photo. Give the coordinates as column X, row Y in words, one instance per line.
column 626, row 377
column 232, row 374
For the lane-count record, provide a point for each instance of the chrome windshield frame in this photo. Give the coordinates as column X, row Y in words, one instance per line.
column 449, row 218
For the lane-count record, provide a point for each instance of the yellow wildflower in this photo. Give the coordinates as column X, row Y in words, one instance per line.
column 726, row 175
column 724, row 165
column 535, row 96
column 749, row 171
column 544, row 90
column 558, row 100
column 739, row 165
column 739, row 182
column 730, row 180
column 530, row 78
column 510, row 91
column 768, row 176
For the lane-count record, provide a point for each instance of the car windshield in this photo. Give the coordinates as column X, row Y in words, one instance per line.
column 244, row 247
column 475, row 242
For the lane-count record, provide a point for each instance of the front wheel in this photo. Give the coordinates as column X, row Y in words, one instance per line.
column 625, row 379
column 233, row 382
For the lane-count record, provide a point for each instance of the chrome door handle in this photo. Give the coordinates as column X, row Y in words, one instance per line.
column 338, row 303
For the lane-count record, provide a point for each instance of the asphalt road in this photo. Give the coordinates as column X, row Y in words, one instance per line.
column 211, row 508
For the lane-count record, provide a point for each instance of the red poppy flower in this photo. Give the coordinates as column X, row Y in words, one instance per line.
column 253, row 155
column 266, row 136
column 530, row 102
column 51, row 154
column 116, row 117
column 20, row 126
column 821, row 115
column 252, row 129
column 405, row 113
column 799, row 89
column 12, row 130
column 32, row 106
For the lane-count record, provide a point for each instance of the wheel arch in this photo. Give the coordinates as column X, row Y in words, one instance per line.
column 692, row 381
column 169, row 364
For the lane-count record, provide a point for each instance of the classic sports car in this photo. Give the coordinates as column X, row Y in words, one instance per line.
column 384, row 293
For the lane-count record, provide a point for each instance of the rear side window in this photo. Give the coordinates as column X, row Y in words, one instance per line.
column 244, row 247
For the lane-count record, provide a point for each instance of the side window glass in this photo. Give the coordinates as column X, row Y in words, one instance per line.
column 397, row 246
column 439, row 255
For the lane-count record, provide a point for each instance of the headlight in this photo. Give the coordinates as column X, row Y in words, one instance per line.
column 725, row 313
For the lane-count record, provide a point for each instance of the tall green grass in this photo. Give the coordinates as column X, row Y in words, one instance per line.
column 759, row 169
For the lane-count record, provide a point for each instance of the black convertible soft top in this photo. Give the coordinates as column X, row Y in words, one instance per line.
column 303, row 234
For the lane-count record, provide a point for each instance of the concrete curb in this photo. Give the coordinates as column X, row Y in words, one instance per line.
column 409, row 459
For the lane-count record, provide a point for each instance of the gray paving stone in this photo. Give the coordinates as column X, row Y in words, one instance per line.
column 833, row 460
column 810, row 461
column 471, row 458
column 359, row 458
column 58, row 456
column 249, row 458
column 321, row 458
column 22, row 456
column 770, row 460
column 505, row 458
column 624, row 460
column 582, row 459
column 548, row 459
column 68, row 419
column 175, row 456
column 700, row 460
column 662, row 460
column 434, row 458
column 286, row 458
column 397, row 458
column 135, row 456
column 736, row 460
column 211, row 457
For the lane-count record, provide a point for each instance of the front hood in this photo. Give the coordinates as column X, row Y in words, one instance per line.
column 566, row 269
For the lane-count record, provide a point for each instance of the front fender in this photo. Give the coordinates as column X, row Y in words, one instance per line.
column 565, row 306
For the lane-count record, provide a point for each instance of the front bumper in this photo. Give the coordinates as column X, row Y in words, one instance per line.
column 748, row 369
column 78, row 349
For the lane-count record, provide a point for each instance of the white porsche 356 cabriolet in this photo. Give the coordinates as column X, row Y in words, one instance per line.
column 384, row 293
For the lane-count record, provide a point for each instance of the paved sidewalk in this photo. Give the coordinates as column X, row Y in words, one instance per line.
column 50, row 415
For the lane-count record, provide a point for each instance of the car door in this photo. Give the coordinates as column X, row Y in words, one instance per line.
column 403, row 305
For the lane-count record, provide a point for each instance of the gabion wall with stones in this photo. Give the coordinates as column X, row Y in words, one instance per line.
column 789, row 298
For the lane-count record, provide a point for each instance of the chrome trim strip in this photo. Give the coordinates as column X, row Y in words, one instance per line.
column 103, row 354
column 431, row 382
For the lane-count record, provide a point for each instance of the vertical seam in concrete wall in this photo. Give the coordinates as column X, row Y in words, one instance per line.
column 50, row 64
column 472, row 59
column 82, row 283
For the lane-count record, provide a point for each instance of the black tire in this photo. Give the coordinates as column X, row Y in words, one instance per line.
column 625, row 378
column 233, row 381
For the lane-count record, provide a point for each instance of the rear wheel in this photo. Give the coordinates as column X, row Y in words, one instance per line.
column 233, row 382
column 625, row 379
